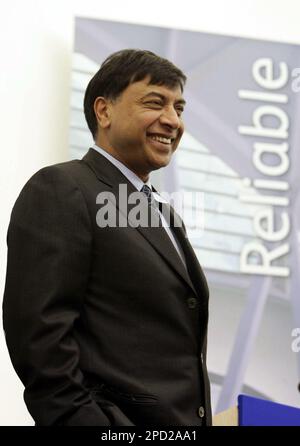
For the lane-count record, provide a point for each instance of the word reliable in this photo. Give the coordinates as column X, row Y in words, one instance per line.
column 268, row 193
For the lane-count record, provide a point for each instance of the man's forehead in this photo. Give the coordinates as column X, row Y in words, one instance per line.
column 145, row 88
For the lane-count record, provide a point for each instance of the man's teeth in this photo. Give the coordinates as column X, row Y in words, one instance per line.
column 161, row 139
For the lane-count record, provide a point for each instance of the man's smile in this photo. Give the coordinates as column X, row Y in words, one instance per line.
column 160, row 141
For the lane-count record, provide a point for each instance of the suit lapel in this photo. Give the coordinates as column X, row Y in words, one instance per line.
column 194, row 268
column 160, row 240
column 157, row 237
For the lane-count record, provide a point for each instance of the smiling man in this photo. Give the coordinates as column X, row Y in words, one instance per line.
column 107, row 324
column 142, row 127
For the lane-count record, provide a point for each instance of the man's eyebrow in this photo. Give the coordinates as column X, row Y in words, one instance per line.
column 161, row 96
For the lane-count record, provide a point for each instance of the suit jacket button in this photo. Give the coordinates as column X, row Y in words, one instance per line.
column 192, row 302
column 201, row 412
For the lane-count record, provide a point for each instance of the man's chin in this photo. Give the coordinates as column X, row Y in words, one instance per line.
column 160, row 162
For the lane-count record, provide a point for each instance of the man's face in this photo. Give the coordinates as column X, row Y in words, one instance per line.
column 144, row 126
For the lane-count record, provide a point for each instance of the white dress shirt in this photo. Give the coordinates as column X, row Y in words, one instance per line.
column 138, row 184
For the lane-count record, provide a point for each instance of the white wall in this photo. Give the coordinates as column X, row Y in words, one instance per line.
column 36, row 41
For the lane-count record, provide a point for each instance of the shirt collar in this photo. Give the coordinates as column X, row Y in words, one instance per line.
column 131, row 176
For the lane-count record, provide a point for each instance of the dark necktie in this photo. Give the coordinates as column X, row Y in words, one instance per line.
column 158, row 222
column 153, row 205
column 148, row 192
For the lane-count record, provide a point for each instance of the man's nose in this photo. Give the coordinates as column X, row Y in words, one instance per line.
column 170, row 117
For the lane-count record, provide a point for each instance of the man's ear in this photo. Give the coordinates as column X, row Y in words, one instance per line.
column 102, row 112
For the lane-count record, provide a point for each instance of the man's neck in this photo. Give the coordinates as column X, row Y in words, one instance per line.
column 112, row 152
column 137, row 181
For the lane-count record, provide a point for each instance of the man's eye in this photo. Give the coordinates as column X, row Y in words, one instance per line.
column 154, row 103
column 180, row 110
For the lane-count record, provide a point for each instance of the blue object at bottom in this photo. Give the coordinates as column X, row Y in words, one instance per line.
column 258, row 412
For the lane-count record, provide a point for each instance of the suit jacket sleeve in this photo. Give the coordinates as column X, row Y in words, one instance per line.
column 49, row 243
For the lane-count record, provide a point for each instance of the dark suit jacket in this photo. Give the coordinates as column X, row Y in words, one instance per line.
column 103, row 325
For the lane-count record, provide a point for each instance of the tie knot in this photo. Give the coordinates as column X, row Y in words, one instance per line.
column 148, row 192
